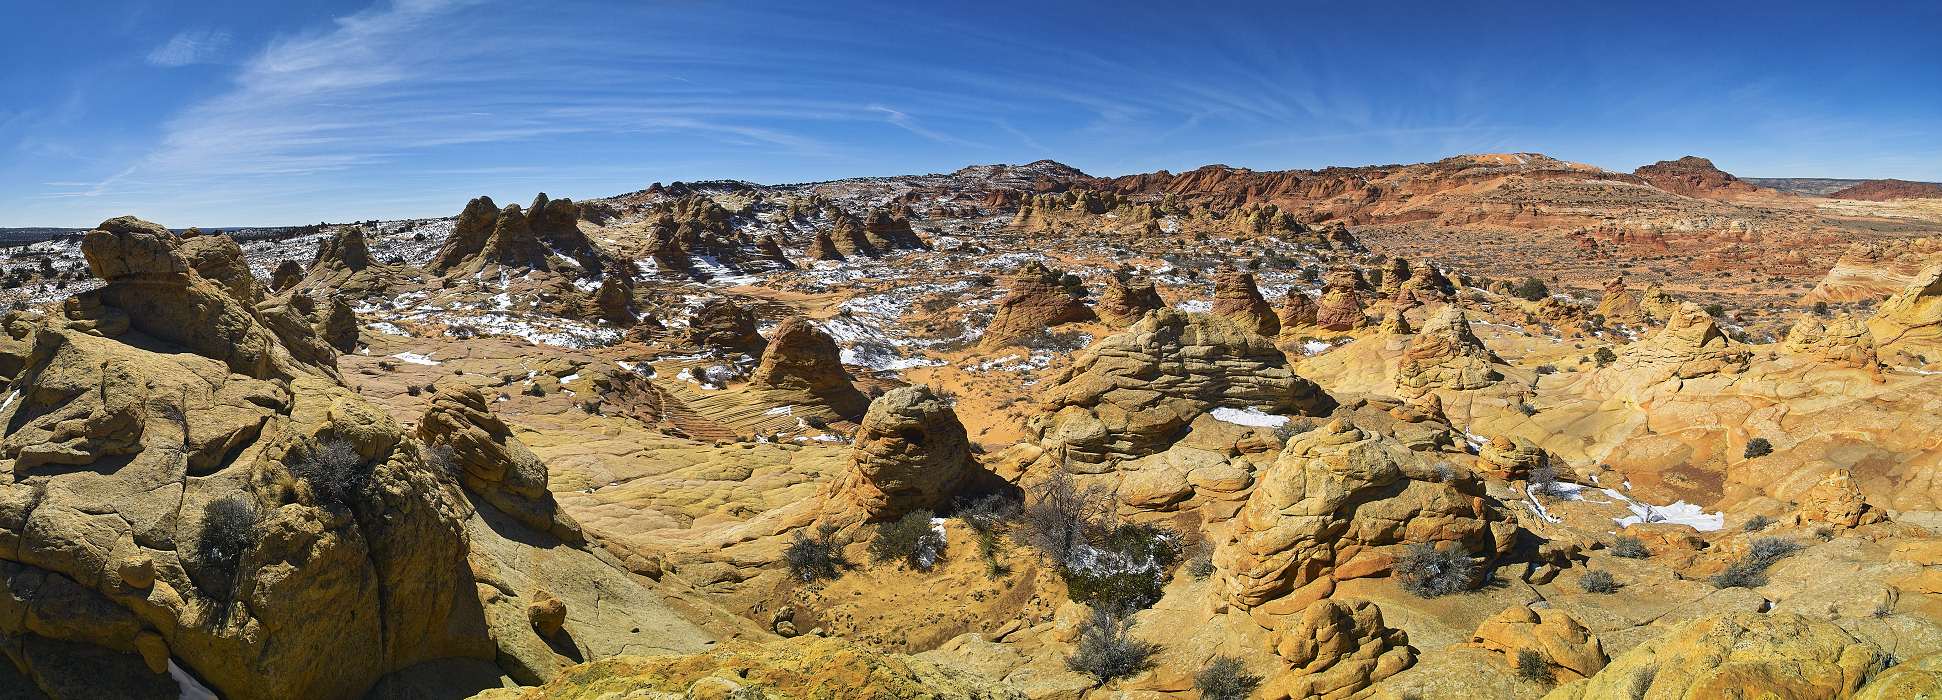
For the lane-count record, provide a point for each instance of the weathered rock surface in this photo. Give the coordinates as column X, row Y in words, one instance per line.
column 1126, row 300
column 1559, row 638
column 461, row 430
column 1336, row 649
column 910, row 453
column 1340, row 502
column 1742, row 654
column 1237, row 299
column 1445, row 354
column 1134, row 393
column 1511, row 458
column 1843, row 341
column 1908, row 326
column 803, row 361
column 721, row 324
column 802, row 667
column 1836, row 500
column 1341, row 306
column 1039, row 298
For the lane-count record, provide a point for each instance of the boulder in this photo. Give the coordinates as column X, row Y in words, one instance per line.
column 218, row 259
column 1689, row 346
column 474, row 444
column 1039, row 298
column 1909, row 324
column 1836, row 500
column 1298, row 311
column 911, row 453
column 1511, row 458
column 721, row 324
column 1445, row 354
column 1340, row 500
column 1427, row 286
column 804, row 363
column 1133, row 394
column 1564, row 643
column 1238, row 300
column 1334, row 650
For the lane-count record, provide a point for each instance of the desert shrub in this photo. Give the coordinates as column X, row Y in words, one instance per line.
column 1630, row 548
column 228, row 530
column 1531, row 289
column 1546, row 369
column 1544, row 482
column 1598, row 581
column 1105, row 651
column 1290, row 429
column 1741, row 574
column 1429, row 572
column 1225, row 678
column 1532, row 667
column 1201, row 567
column 1820, row 308
column 1768, row 550
column 814, row 558
column 911, row 539
column 1059, row 513
column 1604, row 356
column 1757, row 523
column 1758, row 447
column 994, row 512
column 334, row 471
column 1715, row 310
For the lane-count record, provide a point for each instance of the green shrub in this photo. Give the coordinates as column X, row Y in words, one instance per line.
column 1201, row 567
column 814, row 558
column 1604, row 356
column 1630, row 548
column 1120, row 570
column 911, row 539
column 1105, row 651
column 1757, row 447
column 1429, row 572
column 1225, row 678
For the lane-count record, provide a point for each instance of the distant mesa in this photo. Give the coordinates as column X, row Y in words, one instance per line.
column 1694, row 176
column 1888, row 190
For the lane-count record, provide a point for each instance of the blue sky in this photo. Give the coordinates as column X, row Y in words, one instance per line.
column 234, row 113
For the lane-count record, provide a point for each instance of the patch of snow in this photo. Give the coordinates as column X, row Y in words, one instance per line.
column 387, row 328
column 1248, row 416
column 780, row 411
column 1196, row 306
column 12, row 396
column 1677, row 513
column 1315, row 347
column 417, row 359
column 191, row 689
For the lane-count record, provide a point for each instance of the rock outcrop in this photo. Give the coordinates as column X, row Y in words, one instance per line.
column 1237, row 299
column 1741, row 654
column 802, row 361
column 545, row 238
column 721, row 324
column 1694, row 176
column 1426, row 286
column 1134, row 393
column 1842, row 341
column 1511, row 459
column 1836, row 500
column 823, row 247
column 218, row 259
column 1341, row 306
column 1689, row 346
column 1039, row 298
column 1298, row 311
column 1127, row 300
column 1620, row 304
column 461, row 431
column 1908, row 326
column 1445, row 354
column 1336, row 649
column 910, row 453
column 1556, row 636
column 1341, row 502
column 801, row 667
column 286, row 275
column 887, row 232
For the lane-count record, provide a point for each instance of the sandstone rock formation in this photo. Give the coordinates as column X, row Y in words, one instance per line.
column 886, row 232
column 1690, row 345
column 1842, row 341
column 721, row 324
column 1336, row 650
column 545, row 237
column 286, row 275
column 1619, row 304
column 1741, row 654
column 1298, row 311
column 802, row 362
column 1236, row 299
column 1694, row 176
column 1908, row 326
column 1888, row 190
column 1039, row 298
column 460, row 429
column 1875, row 269
column 910, row 453
column 1563, row 643
column 1837, row 501
column 1341, row 306
column 1134, row 393
column 802, row 667
column 1340, row 502
column 824, row 247
column 1425, row 286
column 218, row 259
column 1511, row 459
column 1445, row 354
column 1127, row 300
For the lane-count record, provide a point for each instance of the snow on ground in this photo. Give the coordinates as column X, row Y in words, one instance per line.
column 417, row 359
column 1677, row 513
column 1196, row 306
column 191, row 689
column 1249, row 416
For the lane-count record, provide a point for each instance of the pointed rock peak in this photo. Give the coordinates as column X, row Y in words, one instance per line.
column 345, row 250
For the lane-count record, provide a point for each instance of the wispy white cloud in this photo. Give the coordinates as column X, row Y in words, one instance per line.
column 192, row 46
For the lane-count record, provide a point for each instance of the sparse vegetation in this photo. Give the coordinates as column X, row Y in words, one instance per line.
column 1201, row 567
column 1757, row 447
column 1225, row 678
column 1630, row 548
column 1757, row 523
column 814, row 558
column 1598, row 581
column 911, row 539
column 1531, row 289
column 1750, row 570
column 1429, row 572
column 1121, row 570
column 1106, row 651
column 1771, row 549
column 1604, row 356
column 1532, row 668
column 334, row 471
column 228, row 531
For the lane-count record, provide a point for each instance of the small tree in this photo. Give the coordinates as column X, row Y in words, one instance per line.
column 1059, row 514
column 1604, row 356
column 1429, row 572
column 1225, row 678
column 814, row 558
column 334, row 471
column 228, row 531
column 911, row 539
column 1531, row 289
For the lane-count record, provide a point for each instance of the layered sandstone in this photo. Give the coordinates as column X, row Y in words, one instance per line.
column 1039, row 298
column 910, row 453
column 1237, row 299
column 1445, row 354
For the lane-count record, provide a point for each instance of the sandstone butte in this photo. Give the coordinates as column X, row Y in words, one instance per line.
column 1449, row 429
